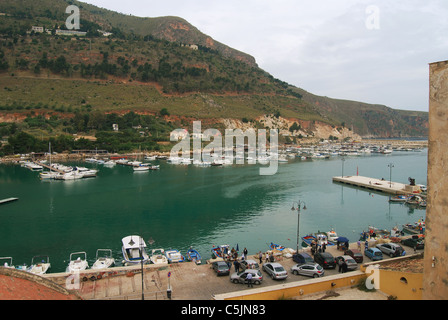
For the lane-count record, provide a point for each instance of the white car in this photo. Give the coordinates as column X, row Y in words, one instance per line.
column 275, row 270
column 308, row 269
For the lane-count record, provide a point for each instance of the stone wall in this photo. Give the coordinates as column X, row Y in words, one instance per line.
column 435, row 277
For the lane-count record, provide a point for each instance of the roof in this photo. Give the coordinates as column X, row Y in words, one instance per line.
column 22, row 285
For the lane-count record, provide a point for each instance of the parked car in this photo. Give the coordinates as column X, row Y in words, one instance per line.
column 302, row 258
column 391, row 249
column 221, row 268
column 251, row 263
column 374, row 254
column 275, row 270
column 325, row 259
column 414, row 243
column 257, row 276
column 355, row 254
column 351, row 263
column 308, row 269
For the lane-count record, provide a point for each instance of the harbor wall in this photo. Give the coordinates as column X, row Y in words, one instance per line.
column 435, row 280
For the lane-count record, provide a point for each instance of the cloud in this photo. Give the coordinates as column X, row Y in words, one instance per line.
column 324, row 46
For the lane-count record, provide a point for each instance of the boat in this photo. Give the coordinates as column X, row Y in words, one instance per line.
column 41, row 267
column 109, row 163
column 278, row 247
column 150, row 158
column 141, row 168
column 158, row 256
column 6, row 264
column 174, row 255
column 307, row 240
column 79, row 264
column 399, row 198
column 416, row 228
column 48, row 175
column 332, row 236
column 220, row 251
column 131, row 248
column 193, row 255
column 105, row 261
column 414, row 200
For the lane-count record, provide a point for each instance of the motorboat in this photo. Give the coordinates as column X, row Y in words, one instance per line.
column 158, row 256
column 274, row 246
column 104, row 259
column 7, row 262
column 332, row 236
column 109, row 163
column 141, row 168
column 414, row 200
column 86, row 172
column 72, row 175
column 194, row 256
column 221, row 251
column 39, row 265
column 399, row 198
column 133, row 249
column 174, row 255
column 150, row 158
column 78, row 264
column 48, row 175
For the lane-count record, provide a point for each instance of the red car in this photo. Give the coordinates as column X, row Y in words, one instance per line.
column 355, row 254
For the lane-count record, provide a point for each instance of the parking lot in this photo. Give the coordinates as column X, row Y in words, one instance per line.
column 186, row 280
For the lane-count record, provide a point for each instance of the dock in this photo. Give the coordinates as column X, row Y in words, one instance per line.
column 48, row 167
column 374, row 184
column 8, row 200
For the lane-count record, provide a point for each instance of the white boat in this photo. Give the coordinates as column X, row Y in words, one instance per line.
column 150, row 158
column 79, row 264
column 158, row 256
column 131, row 248
column 91, row 160
column 141, row 168
column 332, row 236
column 134, row 163
column 48, row 175
column 72, row 175
column 109, row 163
column 122, row 161
column 86, row 172
column 7, row 263
column 105, row 261
column 41, row 267
column 174, row 255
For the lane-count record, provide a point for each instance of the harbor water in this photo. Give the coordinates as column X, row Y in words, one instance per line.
column 181, row 206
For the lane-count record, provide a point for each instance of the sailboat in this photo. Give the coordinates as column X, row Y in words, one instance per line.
column 48, row 174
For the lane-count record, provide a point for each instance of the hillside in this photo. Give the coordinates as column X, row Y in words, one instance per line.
column 150, row 64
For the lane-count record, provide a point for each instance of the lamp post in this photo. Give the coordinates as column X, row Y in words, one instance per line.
column 141, row 262
column 299, row 205
column 343, row 160
column 390, row 165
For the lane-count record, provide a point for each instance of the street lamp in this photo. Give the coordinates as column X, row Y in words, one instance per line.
column 141, row 262
column 300, row 204
column 343, row 160
column 390, row 165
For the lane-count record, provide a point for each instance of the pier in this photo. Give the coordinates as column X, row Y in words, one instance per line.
column 48, row 167
column 374, row 184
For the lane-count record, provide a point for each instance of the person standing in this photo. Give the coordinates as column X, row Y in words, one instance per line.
column 249, row 280
column 267, row 257
column 260, row 257
column 236, row 263
column 340, row 265
column 344, row 267
column 245, row 252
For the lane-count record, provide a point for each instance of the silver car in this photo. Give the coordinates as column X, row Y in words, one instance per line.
column 275, row 270
column 351, row 263
column 391, row 249
column 240, row 277
column 308, row 269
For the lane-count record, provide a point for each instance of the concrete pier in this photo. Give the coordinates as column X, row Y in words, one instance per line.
column 374, row 184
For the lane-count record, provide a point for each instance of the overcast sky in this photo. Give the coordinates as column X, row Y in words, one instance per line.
column 374, row 51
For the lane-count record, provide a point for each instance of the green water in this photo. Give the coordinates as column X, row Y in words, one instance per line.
column 183, row 206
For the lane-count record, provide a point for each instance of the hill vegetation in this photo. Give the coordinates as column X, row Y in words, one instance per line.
column 53, row 85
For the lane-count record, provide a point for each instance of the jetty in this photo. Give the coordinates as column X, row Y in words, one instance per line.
column 8, row 200
column 48, row 167
column 380, row 185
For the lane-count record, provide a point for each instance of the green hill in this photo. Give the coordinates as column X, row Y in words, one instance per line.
column 150, row 64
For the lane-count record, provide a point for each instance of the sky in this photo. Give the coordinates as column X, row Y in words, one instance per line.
column 373, row 51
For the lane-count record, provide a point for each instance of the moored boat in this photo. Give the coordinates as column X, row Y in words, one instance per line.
column 274, row 246
column 399, row 198
column 158, row 256
column 194, row 256
column 174, row 256
column 133, row 249
column 220, row 251
column 41, row 267
column 105, row 260
column 78, row 264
